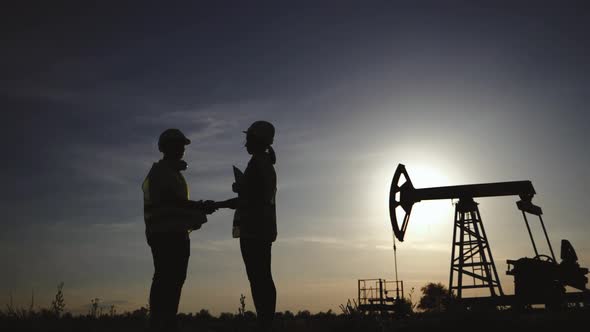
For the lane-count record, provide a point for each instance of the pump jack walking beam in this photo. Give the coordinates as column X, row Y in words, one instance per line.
column 405, row 195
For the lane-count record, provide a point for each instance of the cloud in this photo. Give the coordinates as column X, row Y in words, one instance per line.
column 418, row 246
column 211, row 130
column 208, row 121
column 331, row 242
column 313, row 239
column 116, row 227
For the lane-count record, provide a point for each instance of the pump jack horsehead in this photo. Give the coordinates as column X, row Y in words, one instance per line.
column 537, row 280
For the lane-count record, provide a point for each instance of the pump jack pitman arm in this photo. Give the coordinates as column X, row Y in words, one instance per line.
column 404, row 195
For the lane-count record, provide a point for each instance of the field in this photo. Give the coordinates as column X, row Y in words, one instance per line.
column 503, row 320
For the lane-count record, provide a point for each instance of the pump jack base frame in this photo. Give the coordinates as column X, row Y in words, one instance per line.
column 515, row 302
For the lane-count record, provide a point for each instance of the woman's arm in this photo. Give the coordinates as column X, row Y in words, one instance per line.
column 231, row 203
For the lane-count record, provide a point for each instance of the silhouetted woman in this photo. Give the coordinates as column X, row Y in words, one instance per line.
column 257, row 226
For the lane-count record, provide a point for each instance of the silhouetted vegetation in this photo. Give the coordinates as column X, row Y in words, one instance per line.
column 433, row 303
column 58, row 305
column 435, row 298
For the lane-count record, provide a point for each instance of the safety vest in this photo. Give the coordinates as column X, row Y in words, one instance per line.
column 165, row 198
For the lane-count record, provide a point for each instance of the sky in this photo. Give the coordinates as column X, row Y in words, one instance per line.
column 458, row 93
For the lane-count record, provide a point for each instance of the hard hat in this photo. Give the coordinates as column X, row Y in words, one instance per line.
column 172, row 135
column 263, row 130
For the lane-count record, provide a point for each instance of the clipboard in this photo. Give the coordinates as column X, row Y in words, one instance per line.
column 238, row 175
column 238, row 178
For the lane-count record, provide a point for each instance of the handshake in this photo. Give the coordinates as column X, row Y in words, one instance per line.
column 199, row 211
column 209, row 206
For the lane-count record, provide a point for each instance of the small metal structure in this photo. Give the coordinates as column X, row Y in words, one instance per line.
column 379, row 295
column 471, row 257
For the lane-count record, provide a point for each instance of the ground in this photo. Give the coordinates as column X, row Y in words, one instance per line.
column 570, row 320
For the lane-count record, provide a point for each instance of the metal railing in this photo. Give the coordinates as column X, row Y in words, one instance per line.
column 379, row 292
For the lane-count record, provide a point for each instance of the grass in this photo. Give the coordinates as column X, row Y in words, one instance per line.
column 304, row 321
column 57, row 319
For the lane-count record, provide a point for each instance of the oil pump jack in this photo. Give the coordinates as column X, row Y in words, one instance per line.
column 538, row 280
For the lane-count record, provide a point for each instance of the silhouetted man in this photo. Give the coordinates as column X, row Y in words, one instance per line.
column 257, row 222
column 169, row 218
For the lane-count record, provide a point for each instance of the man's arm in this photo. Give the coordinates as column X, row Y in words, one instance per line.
column 231, row 203
column 168, row 212
column 207, row 206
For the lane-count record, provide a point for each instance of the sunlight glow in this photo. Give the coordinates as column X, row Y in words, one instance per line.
column 427, row 217
column 424, row 176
